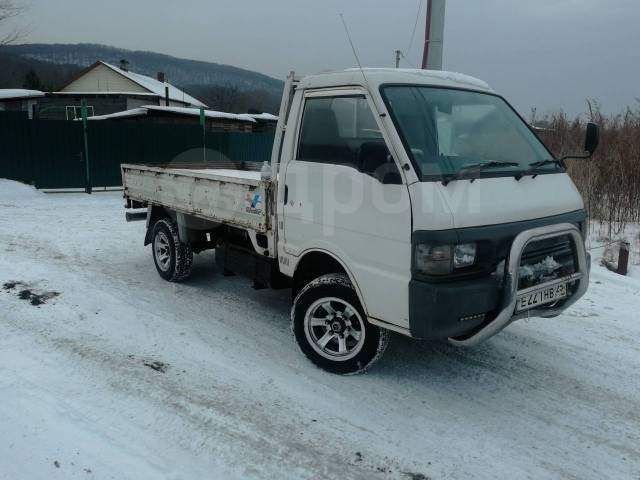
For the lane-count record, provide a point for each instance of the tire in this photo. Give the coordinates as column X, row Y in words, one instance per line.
column 331, row 328
column 173, row 258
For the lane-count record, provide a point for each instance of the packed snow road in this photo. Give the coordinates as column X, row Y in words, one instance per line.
column 107, row 371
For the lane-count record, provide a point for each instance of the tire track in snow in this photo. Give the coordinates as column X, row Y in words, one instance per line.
column 222, row 416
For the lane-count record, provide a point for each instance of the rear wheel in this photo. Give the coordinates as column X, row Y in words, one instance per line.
column 331, row 328
column 172, row 257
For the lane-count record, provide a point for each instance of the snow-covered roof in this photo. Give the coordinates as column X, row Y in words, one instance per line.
column 264, row 117
column 194, row 112
column 376, row 77
column 18, row 93
column 134, row 112
column 242, row 117
column 435, row 74
column 99, row 93
column 152, row 85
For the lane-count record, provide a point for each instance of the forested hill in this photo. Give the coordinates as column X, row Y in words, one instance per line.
column 178, row 71
column 227, row 86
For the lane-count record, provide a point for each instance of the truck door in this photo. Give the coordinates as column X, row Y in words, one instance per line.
column 345, row 194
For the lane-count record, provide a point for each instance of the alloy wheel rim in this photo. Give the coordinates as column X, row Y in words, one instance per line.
column 334, row 329
column 162, row 250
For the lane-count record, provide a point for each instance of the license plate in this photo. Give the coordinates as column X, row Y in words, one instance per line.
column 542, row 296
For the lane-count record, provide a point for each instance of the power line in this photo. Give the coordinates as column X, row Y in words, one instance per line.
column 412, row 65
column 353, row 47
column 415, row 27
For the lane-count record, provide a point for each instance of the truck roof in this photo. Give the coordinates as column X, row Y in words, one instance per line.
column 379, row 76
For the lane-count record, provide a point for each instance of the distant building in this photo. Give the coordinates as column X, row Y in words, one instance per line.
column 19, row 100
column 220, row 121
column 109, row 89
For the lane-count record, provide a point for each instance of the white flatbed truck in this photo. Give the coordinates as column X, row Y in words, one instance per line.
column 410, row 201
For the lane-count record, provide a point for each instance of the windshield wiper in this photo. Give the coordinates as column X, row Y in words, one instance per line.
column 535, row 166
column 475, row 168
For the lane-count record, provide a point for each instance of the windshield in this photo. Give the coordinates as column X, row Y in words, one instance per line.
column 447, row 131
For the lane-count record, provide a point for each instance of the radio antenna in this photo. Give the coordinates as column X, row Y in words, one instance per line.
column 353, row 48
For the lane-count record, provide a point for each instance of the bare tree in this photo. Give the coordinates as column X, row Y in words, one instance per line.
column 10, row 9
column 610, row 182
column 230, row 98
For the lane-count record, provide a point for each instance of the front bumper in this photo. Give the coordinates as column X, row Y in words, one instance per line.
column 469, row 312
column 436, row 310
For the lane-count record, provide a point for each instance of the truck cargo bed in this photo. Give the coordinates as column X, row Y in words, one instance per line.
column 230, row 196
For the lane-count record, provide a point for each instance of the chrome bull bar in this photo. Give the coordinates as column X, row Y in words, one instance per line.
column 507, row 313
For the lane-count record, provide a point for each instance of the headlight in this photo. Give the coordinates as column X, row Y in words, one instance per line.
column 464, row 255
column 444, row 259
column 433, row 259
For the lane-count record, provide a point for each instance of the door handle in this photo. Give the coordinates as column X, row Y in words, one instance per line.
column 286, row 194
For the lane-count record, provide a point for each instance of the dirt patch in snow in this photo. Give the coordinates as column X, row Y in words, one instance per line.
column 416, row 476
column 157, row 366
column 10, row 285
column 25, row 292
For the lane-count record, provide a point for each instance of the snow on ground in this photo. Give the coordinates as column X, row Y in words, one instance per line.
column 106, row 371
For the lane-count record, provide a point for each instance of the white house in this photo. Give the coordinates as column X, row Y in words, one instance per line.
column 109, row 89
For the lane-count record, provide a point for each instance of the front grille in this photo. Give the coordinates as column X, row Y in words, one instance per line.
column 547, row 260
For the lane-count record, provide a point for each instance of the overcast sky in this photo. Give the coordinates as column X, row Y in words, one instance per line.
column 550, row 54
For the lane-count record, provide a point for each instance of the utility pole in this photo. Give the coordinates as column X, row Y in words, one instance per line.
column 434, row 35
column 203, row 124
column 87, row 167
column 398, row 53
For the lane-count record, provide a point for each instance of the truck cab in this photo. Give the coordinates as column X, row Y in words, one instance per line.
column 412, row 201
column 433, row 195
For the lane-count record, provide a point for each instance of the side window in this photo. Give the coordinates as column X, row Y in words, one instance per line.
column 335, row 128
column 343, row 131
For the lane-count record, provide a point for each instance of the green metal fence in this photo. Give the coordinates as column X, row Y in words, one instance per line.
column 50, row 154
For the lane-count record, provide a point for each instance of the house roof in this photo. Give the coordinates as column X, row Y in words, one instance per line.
column 157, row 87
column 242, row 117
column 150, row 84
column 192, row 112
column 103, row 94
column 18, row 94
column 134, row 112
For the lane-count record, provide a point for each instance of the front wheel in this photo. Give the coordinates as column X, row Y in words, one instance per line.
column 331, row 328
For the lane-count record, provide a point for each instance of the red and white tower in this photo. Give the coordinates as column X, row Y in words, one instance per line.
column 434, row 35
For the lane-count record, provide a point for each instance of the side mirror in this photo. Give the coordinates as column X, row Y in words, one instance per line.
column 593, row 138
column 591, row 142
